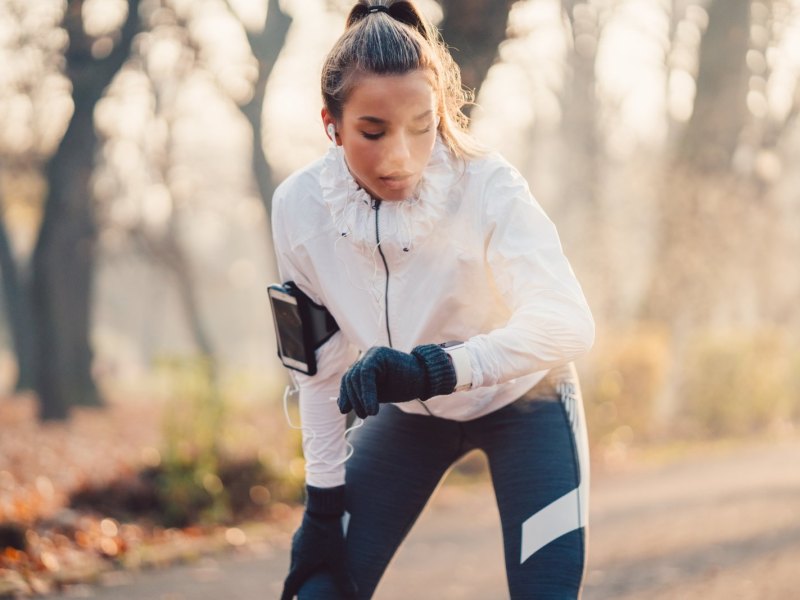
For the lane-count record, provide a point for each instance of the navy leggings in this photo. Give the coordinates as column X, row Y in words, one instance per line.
column 537, row 453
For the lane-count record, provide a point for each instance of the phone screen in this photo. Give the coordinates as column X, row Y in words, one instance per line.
column 290, row 329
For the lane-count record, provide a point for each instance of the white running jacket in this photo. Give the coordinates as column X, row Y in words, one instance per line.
column 472, row 257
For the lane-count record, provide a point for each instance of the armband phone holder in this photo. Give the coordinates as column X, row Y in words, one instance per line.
column 301, row 326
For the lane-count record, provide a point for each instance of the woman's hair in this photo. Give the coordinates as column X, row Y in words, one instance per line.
column 393, row 40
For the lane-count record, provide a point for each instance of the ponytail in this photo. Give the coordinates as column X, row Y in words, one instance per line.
column 391, row 37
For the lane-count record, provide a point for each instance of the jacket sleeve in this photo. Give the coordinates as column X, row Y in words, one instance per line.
column 550, row 322
column 324, row 445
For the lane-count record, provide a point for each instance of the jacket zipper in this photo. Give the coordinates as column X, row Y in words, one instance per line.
column 377, row 206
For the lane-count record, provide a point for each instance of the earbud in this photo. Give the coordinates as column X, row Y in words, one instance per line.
column 331, row 133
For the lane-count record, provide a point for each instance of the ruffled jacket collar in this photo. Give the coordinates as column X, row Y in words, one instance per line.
column 403, row 223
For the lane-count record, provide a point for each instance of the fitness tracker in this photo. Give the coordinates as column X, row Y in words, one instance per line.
column 459, row 356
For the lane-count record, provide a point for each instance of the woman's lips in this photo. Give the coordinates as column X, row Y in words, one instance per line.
column 396, row 183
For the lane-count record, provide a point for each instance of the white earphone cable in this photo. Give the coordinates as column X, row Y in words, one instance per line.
column 294, row 389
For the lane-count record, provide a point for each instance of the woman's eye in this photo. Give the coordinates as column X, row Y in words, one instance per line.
column 372, row 136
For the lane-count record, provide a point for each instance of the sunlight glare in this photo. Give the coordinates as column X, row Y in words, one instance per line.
column 759, row 35
column 780, row 92
column 791, row 42
column 225, row 50
column 41, row 16
column 768, row 166
column 757, row 104
column 252, row 13
column 102, row 17
column 163, row 57
column 784, row 66
column 756, row 61
column 631, row 72
column 697, row 15
column 522, row 89
column 17, row 135
column 292, row 127
column 517, row 107
column 681, row 92
column 8, row 34
column 156, row 206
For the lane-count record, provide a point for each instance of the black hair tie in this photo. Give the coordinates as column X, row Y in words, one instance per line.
column 378, row 8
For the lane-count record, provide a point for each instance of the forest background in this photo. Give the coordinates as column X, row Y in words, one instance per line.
column 141, row 141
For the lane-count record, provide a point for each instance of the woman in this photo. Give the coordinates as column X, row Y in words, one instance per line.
column 447, row 277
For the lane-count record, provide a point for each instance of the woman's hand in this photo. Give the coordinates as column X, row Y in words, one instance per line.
column 318, row 545
column 388, row 375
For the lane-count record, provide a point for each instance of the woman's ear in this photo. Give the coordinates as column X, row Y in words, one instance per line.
column 330, row 127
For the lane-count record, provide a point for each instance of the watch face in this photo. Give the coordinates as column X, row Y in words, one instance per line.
column 453, row 344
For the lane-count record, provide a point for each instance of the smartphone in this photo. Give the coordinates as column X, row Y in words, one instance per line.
column 295, row 346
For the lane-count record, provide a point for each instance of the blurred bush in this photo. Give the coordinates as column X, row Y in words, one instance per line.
column 625, row 372
column 739, row 383
column 194, row 419
column 194, row 479
column 723, row 384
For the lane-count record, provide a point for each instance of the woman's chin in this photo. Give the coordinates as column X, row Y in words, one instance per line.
column 392, row 192
column 394, row 197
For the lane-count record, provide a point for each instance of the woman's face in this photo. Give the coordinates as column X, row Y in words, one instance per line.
column 387, row 131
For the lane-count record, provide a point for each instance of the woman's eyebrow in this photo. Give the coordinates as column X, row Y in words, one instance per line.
column 379, row 121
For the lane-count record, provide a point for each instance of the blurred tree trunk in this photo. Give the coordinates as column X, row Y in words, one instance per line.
column 672, row 45
column 474, row 30
column 581, row 154
column 167, row 251
column 266, row 46
column 776, row 253
column 720, row 106
column 18, row 310
column 166, row 247
column 63, row 257
column 703, row 203
column 698, row 189
column 187, row 292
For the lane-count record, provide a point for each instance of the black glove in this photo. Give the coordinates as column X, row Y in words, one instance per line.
column 319, row 543
column 387, row 375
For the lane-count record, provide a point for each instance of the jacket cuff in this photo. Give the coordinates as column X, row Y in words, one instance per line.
column 439, row 368
column 325, row 502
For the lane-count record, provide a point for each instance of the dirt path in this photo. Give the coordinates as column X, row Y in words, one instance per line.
column 717, row 525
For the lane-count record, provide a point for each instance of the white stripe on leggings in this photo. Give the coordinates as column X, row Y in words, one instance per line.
column 571, row 511
column 553, row 521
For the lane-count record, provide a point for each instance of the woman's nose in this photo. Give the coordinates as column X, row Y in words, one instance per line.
column 399, row 150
